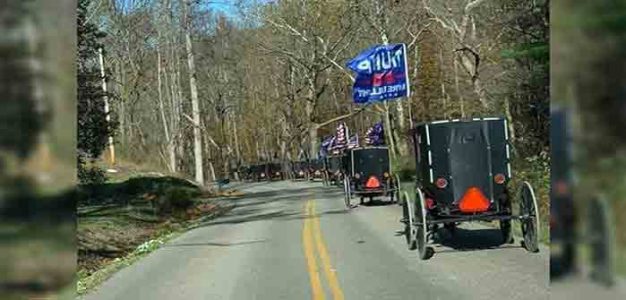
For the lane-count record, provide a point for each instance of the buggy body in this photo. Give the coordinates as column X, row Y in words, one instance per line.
column 258, row 172
column 462, row 174
column 463, row 168
column 316, row 169
column 300, row 170
column 275, row 171
column 367, row 174
column 333, row 166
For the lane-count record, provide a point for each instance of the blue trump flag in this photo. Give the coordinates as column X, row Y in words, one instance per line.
column 381, row 74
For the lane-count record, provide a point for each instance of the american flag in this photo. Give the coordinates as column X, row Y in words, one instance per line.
column 325, row 148
column 353, row 142
column 341, row 137
column 375, row 135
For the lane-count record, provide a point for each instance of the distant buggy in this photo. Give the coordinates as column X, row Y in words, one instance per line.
column 463, row 172
column 333, row 170
column 300, row 170
column 316, row 169
column 275, row 171
column 366, row 174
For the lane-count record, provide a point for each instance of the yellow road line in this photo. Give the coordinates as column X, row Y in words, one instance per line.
column 309, row 253
column 331, row 276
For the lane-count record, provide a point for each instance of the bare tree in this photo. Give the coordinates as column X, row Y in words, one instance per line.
column 197, row 139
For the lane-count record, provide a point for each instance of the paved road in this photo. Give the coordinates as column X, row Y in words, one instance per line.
column 295, row 240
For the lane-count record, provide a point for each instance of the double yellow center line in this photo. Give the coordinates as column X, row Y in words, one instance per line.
column 312, row 240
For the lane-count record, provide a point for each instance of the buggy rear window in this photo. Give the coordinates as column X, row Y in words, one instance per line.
column 371, row 158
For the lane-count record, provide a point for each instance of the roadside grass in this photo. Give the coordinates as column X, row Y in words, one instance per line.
column 88, row 281
column 125, row 219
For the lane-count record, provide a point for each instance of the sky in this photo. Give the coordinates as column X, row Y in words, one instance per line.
column 225, row 6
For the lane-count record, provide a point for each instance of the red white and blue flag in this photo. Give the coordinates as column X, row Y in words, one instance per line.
column 353, row 142
column 375, row 135
column 341, row 137
column 381, row 74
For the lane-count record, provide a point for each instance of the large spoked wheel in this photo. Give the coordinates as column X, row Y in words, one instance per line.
column 346, row 191
column 530, row 217
column 408, row 218
column 421, row 226
column 601, row 241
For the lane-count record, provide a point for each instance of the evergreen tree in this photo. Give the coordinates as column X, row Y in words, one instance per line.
column 92, row 126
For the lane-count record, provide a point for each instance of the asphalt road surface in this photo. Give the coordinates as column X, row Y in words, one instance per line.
column 296, row 240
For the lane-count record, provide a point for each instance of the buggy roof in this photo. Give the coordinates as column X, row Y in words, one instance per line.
column 368, row 147
column 457, row 121
column 370, row 160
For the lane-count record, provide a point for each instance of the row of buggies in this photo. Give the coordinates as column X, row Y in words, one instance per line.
column 297, row 170
column 462, row 173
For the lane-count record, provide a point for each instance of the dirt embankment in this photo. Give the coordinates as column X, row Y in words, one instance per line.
column 116, row 218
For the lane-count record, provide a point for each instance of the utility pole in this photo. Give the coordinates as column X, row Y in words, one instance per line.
column 106, row 107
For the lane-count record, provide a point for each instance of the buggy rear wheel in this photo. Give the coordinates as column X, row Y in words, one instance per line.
column 346, row 191
column 421, row 226
column 599, row 232
column 408, row 218
column 530, row 217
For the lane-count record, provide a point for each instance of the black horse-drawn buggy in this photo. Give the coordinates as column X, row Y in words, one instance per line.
column 367, row 175
column 333, row 170
column 463, row 172
column 275, row 171
column 316, row 169
column 257, row 172
column 300, row 170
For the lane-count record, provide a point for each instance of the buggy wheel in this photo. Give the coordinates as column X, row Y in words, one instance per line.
column 530, row 221
column 408, row 218
column 346, row 191
column 425, row 252
column 599, row 232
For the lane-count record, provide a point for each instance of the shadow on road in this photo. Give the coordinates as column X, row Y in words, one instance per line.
column 471, row 240
column 272, row 205
column 377, row 202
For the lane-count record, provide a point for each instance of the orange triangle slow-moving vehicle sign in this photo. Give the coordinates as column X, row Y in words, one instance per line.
column 372, row 182
column 473, row 201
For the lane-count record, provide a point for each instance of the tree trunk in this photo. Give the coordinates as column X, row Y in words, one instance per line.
column 168, row 139
column 389, row 132
column 509, row 118
column 457, row 87
column 111, row 146
column 313, row 140
column 197, row 140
